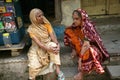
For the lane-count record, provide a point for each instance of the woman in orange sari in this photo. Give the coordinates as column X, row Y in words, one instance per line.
column 86, row 44
column 43, row 55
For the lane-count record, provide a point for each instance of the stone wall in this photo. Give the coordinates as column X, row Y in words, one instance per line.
column 67, row 8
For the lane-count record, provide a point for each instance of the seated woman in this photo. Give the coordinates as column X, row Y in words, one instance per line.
column 86, row 44
column 43, row 55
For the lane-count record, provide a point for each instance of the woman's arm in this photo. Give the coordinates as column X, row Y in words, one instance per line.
column 85, row 46
column 54, row 39
column 66, row 40
column 40, row 44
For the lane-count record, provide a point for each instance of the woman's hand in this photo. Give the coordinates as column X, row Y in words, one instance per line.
column 55, row 50
column 85, row 47
column 50, row 49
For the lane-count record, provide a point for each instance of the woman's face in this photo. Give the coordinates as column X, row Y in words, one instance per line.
column 76, row 19
column 39, row 17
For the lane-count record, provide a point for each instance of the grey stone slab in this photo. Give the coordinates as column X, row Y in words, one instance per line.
column 69, row 72
column 9, row 59
column 114, row 71
column 111, row 40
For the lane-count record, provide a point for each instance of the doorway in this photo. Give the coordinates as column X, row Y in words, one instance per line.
column 47, row 6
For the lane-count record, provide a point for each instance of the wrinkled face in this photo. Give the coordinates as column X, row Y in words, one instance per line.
column 39, row 17
column 76, row 19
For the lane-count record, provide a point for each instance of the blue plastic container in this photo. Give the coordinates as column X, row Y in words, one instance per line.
column 16, row 36
column 1, row 39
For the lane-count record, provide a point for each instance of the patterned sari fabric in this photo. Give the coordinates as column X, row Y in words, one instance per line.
column 74, row 37
column 92, row 35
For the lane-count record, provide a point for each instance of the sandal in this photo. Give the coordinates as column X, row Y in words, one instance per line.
column 61, row 76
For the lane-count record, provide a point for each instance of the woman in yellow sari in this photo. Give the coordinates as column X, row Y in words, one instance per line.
column 43, row 55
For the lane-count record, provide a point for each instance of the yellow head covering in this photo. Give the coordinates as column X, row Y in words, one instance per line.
column 36, row 28
column 32, row 16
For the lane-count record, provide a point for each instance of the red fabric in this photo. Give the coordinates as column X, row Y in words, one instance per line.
column 92, row 35
column 71, row 39
column 91, row 61
column 96, row 54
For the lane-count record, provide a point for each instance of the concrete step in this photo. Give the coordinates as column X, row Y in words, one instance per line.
column 64, row 49
column 114, row 71
column 13, row 68
column 66, row 60
column 69, row 73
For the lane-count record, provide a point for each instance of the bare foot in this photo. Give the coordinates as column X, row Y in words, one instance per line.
column 78, row 76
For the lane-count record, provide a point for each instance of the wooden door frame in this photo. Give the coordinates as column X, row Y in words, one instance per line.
column 58, row 14
column 107, row 6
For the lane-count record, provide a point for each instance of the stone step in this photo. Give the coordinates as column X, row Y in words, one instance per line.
column 69, row 73
column 66, row 60
column 63, row 48
column 114, row 71
column 17, row 70
column 13, row 68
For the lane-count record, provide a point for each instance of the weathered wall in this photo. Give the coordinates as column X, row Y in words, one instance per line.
column 67, row 8
column 100, row 7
